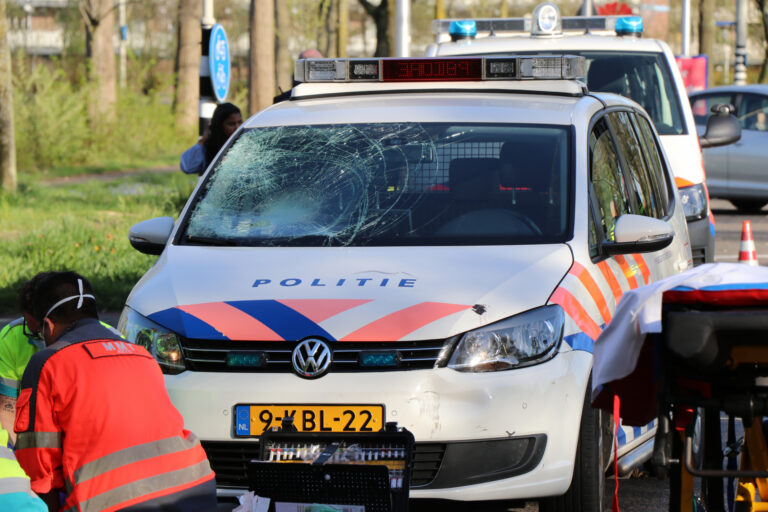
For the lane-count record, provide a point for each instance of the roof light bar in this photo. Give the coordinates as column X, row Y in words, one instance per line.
column 454, row 69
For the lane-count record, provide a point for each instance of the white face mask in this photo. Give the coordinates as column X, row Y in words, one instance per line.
column 79, row 298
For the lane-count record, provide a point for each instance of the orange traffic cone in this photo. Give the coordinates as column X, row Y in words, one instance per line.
column 747, row 251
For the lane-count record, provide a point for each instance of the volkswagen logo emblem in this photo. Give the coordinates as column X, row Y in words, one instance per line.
column 311, row 358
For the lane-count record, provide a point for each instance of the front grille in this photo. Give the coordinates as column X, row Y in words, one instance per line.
column 211, row 355
column 229, row 458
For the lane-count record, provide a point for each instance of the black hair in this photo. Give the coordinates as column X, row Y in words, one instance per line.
column 216, row 137
column 27, row 291
column 51, row 287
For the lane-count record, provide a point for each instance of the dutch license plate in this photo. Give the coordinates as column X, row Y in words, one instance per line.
column 254, row 419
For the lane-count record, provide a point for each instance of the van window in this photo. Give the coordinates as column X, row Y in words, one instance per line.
column 607, row 181
column 637, row 172
column 656, row 168
column 387, row 184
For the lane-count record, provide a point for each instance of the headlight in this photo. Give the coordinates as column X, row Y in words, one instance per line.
column 160, row 342
column 694, row 201
column 522, row 340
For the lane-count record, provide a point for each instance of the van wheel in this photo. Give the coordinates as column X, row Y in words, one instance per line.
column 587, row 492
column 748, row 205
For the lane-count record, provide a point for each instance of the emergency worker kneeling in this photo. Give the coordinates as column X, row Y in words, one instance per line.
column 95, row 426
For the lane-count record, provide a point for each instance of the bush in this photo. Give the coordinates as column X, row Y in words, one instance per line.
column 53, row 128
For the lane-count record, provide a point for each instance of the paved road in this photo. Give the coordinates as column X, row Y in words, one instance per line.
column 728, row 223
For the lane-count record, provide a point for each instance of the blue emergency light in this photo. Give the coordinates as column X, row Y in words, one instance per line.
column 463, row 29
column 629, row 26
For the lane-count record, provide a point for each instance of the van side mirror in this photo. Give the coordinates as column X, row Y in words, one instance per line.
column 638, row 233
column 722, row 128
column 150, row 236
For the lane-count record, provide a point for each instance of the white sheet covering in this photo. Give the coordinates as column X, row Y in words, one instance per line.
column 639, row 313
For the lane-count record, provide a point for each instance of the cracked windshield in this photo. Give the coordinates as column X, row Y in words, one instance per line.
column 387, row 184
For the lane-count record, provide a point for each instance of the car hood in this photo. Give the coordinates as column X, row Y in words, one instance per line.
column 345, row 294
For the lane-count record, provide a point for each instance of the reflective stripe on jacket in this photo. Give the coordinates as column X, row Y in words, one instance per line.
column 93, row 417
column 15, row 491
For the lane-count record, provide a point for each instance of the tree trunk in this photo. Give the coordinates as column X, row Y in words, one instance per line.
column 187, row 65
column 440, row 9
column 261, row 76
column 324, row 36
column 380, row 15
column 332, row 28
column 761, row 5
column 343, row 28
column 99, row 16
column 7, row 140
column 283, row 60
column 707, row 35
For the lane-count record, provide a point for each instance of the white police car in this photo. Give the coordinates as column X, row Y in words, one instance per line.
column 436, row 242
column 619, row 61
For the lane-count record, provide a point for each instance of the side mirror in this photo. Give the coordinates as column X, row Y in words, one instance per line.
column 637, row 233
column 150, row 236
column 722, row 128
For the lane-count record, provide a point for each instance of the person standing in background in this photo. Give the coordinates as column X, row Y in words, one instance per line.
column 225, row 121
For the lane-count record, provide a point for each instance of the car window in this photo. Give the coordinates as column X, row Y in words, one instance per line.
column 753, row 113
column 655, row 164
column 637, row 171
column 387, row 184
column 702, row 105
column 607, row 180
column 643, row 77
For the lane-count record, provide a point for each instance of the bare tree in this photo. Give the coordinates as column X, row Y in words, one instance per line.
column 707, row 32
column 99, row 18
column 187, row 65
column 380, row 15
column 261, row 76
column 283, row 59
column 7, row 141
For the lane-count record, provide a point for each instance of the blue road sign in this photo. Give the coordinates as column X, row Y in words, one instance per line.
column 218, row 62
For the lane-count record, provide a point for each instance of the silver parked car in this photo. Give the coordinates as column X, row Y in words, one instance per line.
column 738, row 172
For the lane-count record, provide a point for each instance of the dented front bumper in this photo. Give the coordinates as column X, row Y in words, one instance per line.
column 531, row 414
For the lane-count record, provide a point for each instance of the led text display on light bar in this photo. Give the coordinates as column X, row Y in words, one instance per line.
column 422, row 70
column 450, row 69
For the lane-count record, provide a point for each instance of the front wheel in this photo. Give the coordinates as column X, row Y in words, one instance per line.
column 587, row 492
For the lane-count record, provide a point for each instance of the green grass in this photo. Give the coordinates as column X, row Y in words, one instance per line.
column 83, row 227
column 107, row 166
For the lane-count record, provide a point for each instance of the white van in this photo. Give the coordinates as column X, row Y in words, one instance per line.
column 619, row 60
column 434, row 242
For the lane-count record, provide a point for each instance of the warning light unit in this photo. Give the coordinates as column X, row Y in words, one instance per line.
column 546, row 67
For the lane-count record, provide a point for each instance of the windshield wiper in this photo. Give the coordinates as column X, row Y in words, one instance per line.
column 203, row 240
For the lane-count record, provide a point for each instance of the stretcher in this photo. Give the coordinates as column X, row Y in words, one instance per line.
column 715, row 364
column 692, row 352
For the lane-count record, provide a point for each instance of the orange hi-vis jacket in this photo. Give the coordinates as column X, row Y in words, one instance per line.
column 94, row 418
